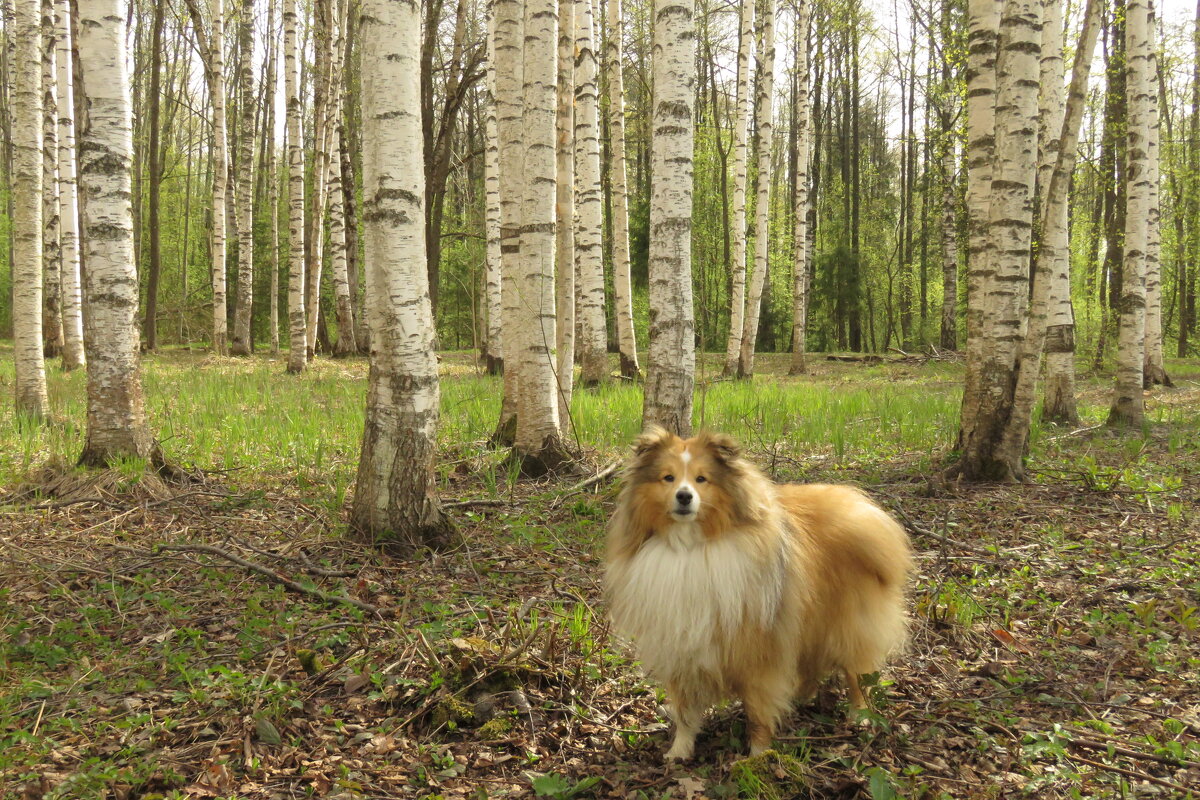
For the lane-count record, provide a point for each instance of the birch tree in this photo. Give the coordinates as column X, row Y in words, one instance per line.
column 593, row 349
column 508, row 47
column 52, row 332
column 1059, row 397
column 394, row 498
column 564, row 208
column 1060, row 139
column 762, row 209
column 116, row 413
column 297, row 323
column 72, row 301
column 494, row 353
column 741, row 126
column 671, row 374
column 220, row 167
column 800, row 224
column 999, row 266
column 1155, row 370
column 622, row 288
column 32, row 400
column 322, row 83
column 244, row 302
column 339, row 245
column 538, row 443
column 1128, row 405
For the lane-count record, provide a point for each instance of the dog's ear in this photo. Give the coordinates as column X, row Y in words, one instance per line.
column 650, row 441
column 723, row 448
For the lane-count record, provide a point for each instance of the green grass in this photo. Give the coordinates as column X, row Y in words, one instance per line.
column 248, row 416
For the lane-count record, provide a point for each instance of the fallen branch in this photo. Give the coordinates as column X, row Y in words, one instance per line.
column 1135, row 754
column 269, row 574
column 1129, row 773
column 473, row 503
column 912, row 525
column 585, row 483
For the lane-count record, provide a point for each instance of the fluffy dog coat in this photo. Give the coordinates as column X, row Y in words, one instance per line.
column 729, row 584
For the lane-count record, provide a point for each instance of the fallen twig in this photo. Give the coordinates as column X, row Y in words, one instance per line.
column 472, row 503
column 583, row 484
column 1129, row 773
column 1127, row 752
column 269, row 574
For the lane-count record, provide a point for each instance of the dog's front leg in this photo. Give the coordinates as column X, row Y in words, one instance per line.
column 688, row 715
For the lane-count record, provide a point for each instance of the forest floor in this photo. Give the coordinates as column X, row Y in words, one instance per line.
column 149, row 647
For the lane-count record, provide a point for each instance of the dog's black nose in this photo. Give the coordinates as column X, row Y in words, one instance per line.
column 683, row 497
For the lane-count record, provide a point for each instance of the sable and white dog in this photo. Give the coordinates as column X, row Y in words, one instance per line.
column 731, row 585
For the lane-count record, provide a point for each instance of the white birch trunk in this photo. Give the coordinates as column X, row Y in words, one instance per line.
column 509, row 52
column 220, row 160
column 242, row 345
column 949, row 321
column 72, row 300
column 116, row 414
column 1002, row 305
column 297, row 324
column 339, row 265
column 564, row 208
column 1128, row 405
column 741, row 125
column 323, row 66
column 671, row 375
column 494, row 354
column 762, row 210
column 622, row 288
column 52, row 332
column 538, row 440
column 1055, row 180
column 1155, row 368
column 982, row 43
column 593, row 349
column 32, row 400
column 272, row 168
column 338, row 262
column 800, row 239
column 394, row 498
column 1059, row 396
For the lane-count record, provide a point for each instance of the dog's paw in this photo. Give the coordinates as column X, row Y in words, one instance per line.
column 680, row 752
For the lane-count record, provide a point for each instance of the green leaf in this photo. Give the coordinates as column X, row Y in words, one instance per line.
column 267, row 732
column 880, row 785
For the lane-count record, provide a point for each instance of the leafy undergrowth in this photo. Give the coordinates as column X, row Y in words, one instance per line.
column 1055, row 648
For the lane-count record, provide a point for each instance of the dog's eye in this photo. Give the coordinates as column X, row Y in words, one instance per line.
column 669, row 478
column 701, row 479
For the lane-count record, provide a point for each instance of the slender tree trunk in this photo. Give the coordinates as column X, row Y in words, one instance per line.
column 272, row 173
column 116, row 413
column 741, row 126
column 394, row 499
column 1128, row 406
column 32, row 400
column 297, row 319
column 800, row 239
column 72, row 301
column 1155, row 370
column 494, row 355
column 243, row 307
column 509, row 52
column 51, row 241
column 1059, row 402
column 315, row 255
column 671, row 375
column 564, row 208
column 155, row 168
column 1188, row 271
column 220, row 178
column 622, row 287
column 538, row 442
column 593, row 348
column 762, row 237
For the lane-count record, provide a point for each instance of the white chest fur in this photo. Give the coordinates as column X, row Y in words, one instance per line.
column 681, row 595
